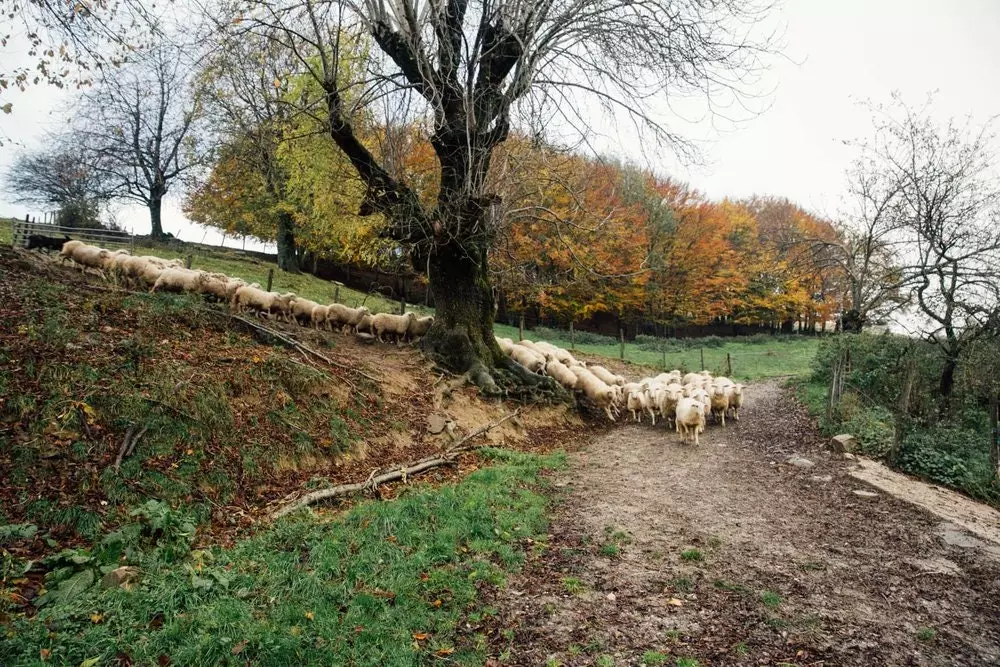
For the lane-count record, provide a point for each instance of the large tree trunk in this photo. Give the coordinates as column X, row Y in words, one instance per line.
column 461, row 339
column 287, row 258
column 852, row 321
column 155, row 221
column 947, row 383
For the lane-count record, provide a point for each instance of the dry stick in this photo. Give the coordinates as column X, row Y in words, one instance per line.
column 393, row 474
column 291, row 342
column 128, row 444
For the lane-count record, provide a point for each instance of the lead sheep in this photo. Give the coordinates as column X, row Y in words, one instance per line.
column 396, row 325
column 419, row 327
column 689, row 416
column 736, row 400
column 528, row 358
column 607, row 376
column 599, row 392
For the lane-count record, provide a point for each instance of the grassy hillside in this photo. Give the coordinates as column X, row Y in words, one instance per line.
column 6, row 231
column 752, row 358
column 224, row 430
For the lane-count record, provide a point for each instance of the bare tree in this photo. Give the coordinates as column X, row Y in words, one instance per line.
column 137, row 125
column 59, row 177
column 947, row 204
column 868, row 248
column 470, row 69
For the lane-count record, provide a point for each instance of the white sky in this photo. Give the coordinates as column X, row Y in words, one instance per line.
column 837, row 54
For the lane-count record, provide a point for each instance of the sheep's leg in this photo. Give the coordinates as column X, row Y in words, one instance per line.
column 607, row 411
column 652, row 415
column 722, row 416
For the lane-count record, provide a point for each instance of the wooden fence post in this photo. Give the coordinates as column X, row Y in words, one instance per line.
column 188, row 260
column 402, row 303
column 520, row 327
column 572, row 337
column 729, row 365
column 663, row 349
column 621, row 342
column 995, row 448
column 702, row 350
column 336, row 293
column 270, row 278
column 831, row 394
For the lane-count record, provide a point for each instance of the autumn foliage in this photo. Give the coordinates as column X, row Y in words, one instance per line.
column 577, row 237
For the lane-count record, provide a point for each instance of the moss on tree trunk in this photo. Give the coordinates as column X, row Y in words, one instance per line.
column 462, row 338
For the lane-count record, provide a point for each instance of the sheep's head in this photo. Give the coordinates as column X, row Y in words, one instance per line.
column 364, row 310
column 410, row 317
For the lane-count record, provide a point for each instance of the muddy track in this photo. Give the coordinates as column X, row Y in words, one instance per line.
column 780, row 564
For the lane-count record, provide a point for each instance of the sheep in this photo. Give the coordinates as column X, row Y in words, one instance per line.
column 348, row 318
column 600, row 393
column 736, row 399
column 220, row 286
column 557, row 352
column 561, row 374
column 301, row 309
column 178, row 280
column 667, row 400
column 397, row 325
column 364, row 321
column 528, row 358
column 68, row 248
column 607, row 376
column 689, row 415
column 419, row 327
column 534, row 347
column 719, row 401
column 248, row 297
column 637, row 400
column 691, row 378
column 506, row 345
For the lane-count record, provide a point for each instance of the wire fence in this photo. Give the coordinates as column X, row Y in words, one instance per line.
column 23, row 230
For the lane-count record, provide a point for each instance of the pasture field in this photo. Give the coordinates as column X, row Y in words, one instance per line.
column 752, row 358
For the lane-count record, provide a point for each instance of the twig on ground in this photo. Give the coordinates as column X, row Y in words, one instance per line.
column 393, row 474
column 132, row 436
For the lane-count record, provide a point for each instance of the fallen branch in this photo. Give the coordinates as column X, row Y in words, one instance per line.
column 291, row 342
column 393, row 474
column 128, row 444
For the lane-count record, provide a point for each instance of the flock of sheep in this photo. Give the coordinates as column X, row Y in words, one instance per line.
column 685, row 401
column 169, row 275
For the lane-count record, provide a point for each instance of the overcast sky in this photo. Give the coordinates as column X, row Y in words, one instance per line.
column 837, row 54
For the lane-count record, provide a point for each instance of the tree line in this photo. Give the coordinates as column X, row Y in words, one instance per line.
column 448, row 137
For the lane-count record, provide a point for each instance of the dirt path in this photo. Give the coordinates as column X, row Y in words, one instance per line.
column 727, row 554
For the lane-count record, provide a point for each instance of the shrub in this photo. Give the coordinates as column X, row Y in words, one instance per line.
column 873, row 427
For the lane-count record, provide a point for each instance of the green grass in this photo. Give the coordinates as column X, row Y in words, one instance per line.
column 926, row 634
column 687, row 662
column 573, row 585
column 770, row 599
column 750, row 360
column 654, row 658
column 387, row 583
column 604, row 661
column 692, row 556
column 6, row 231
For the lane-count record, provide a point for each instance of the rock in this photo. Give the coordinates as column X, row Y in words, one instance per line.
column 864, row 494
column 799, row 462
column 845, row 442
column 120, row 577
column 611, row 596
column 436, row 423
column 822, row 478
column 847, row 456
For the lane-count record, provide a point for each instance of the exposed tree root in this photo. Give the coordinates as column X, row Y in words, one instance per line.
column 395, row 473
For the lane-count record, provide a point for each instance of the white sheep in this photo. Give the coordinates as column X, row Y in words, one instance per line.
column 719, row 400
column 396, row 325
column 419, row 327
column 343, row 316
column 561, row 374
column 607, row 376
column 300, row 309
column 638, row 400
column 253, row 298
column 736, row 399
column 364, row 321
column 528, row 358
column 506, row 345
column 689, row 415
column 667, row 401
column 178, row 280
column 599, row 392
